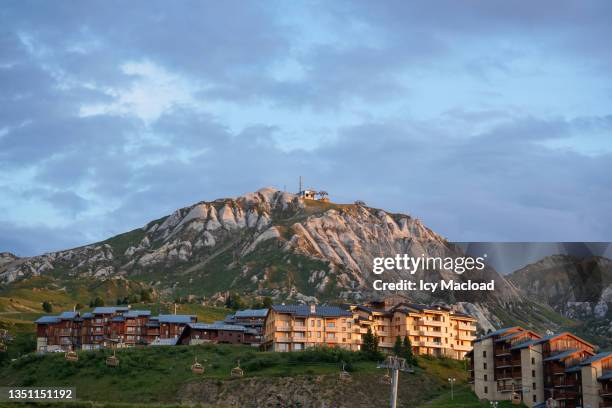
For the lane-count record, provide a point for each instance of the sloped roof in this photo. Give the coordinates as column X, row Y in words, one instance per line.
column 561, row 355
column 175, row 318
column 596, row 357
column 252, row 313
column 320, row 311
column 498, row 332
column 605, row 376
column 47, row 320
column 524, row 344
column 109, row 309
column 217, row 326
column 137, row 313
column 68, row 315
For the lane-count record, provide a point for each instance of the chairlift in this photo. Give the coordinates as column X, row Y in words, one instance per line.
column 112, row 361
column 386, row 379
column 71, row 355
column 344, row 375
column 237, row 371
column 196, row 367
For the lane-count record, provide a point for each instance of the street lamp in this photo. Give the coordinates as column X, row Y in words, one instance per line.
column 452, row 380
column 494, row 404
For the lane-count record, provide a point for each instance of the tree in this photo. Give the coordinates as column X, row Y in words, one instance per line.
column 47, row 307
column 267, row 302
column 407, row 351
column 97, row 302
column 398, row 349
column 78, row 306
column 234, row 301
column 145, row 296
column 370, row 345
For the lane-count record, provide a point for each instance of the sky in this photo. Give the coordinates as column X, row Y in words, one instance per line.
column 489, row 121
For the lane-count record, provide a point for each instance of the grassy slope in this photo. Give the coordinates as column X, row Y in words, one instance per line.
column 155, row 375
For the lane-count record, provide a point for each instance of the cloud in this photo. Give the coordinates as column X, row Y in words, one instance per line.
column 488, row 122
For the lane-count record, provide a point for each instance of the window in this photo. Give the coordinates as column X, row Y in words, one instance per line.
column 533, row 386
column 533, row 373
column 532, row 360
column 484, row 366
column 331, row 335
column 485, row 377
column 312, row 323
column 534, row 398
column 319, row 335
column 318, row 323
column 331, row 324
column 486, row 389
column 484, row 353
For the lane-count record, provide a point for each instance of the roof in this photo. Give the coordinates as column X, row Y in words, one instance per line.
column 320, row 311
column 498, row 332
column 175, row 318
column 561, row 355
column 68, row 315
column 217, row 326
column 605, row 376
column 47, row 320
column 554, row 336
column 252, row 313
column 509, row 336
column 118, row 319
column 110, row 309
column 524, row 344
column 596, row 358
column 87, row 315
column 137, row 313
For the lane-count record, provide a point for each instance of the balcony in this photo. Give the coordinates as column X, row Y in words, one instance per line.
column 463, row 326
column 299, row 327
column 516, row 386
column 283, row 328
column 436, row 323
column 466, row 337
column 462, row 347
column 565, row 395
column 430, row 344
column 605, row 393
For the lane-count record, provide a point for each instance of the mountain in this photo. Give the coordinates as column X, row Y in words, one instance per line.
column 276, row 244
column 578, row 288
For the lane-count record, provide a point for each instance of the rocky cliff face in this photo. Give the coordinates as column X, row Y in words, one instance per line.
column 273, row 243
column 577, row 288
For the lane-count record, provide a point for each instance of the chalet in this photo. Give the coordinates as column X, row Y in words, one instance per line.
column 218, row 332
column 250, row 318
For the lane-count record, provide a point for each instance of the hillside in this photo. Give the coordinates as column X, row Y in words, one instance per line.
column 578, row 288
column 162, row 375
column 271, row 243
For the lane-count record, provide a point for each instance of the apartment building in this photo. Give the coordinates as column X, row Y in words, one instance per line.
column 435, row 330
column 518, row 364
column 296, row 327
column 250, row 318
column 106, row 327
column 218, row 332
column 432, row 330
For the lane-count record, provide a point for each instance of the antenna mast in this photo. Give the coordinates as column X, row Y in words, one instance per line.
column 300, row 190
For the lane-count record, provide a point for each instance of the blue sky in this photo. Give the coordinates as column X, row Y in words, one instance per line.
column 489, row 121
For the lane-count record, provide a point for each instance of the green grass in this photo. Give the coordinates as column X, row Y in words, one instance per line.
column 154, row 374
column 462, row 397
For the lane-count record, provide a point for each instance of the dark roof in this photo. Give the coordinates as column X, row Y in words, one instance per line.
column 596, row 357
column 175, row 318
column 252, row 313
column 320, row 311
column 137, row 313
column 509, row 336
column 47, row 320
column 498, row 332
column 217, row 326
column 554, row 336
column 68, row 315
column 524, row 344
column 110, row 309
column 606, row 376
column 561, row 355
